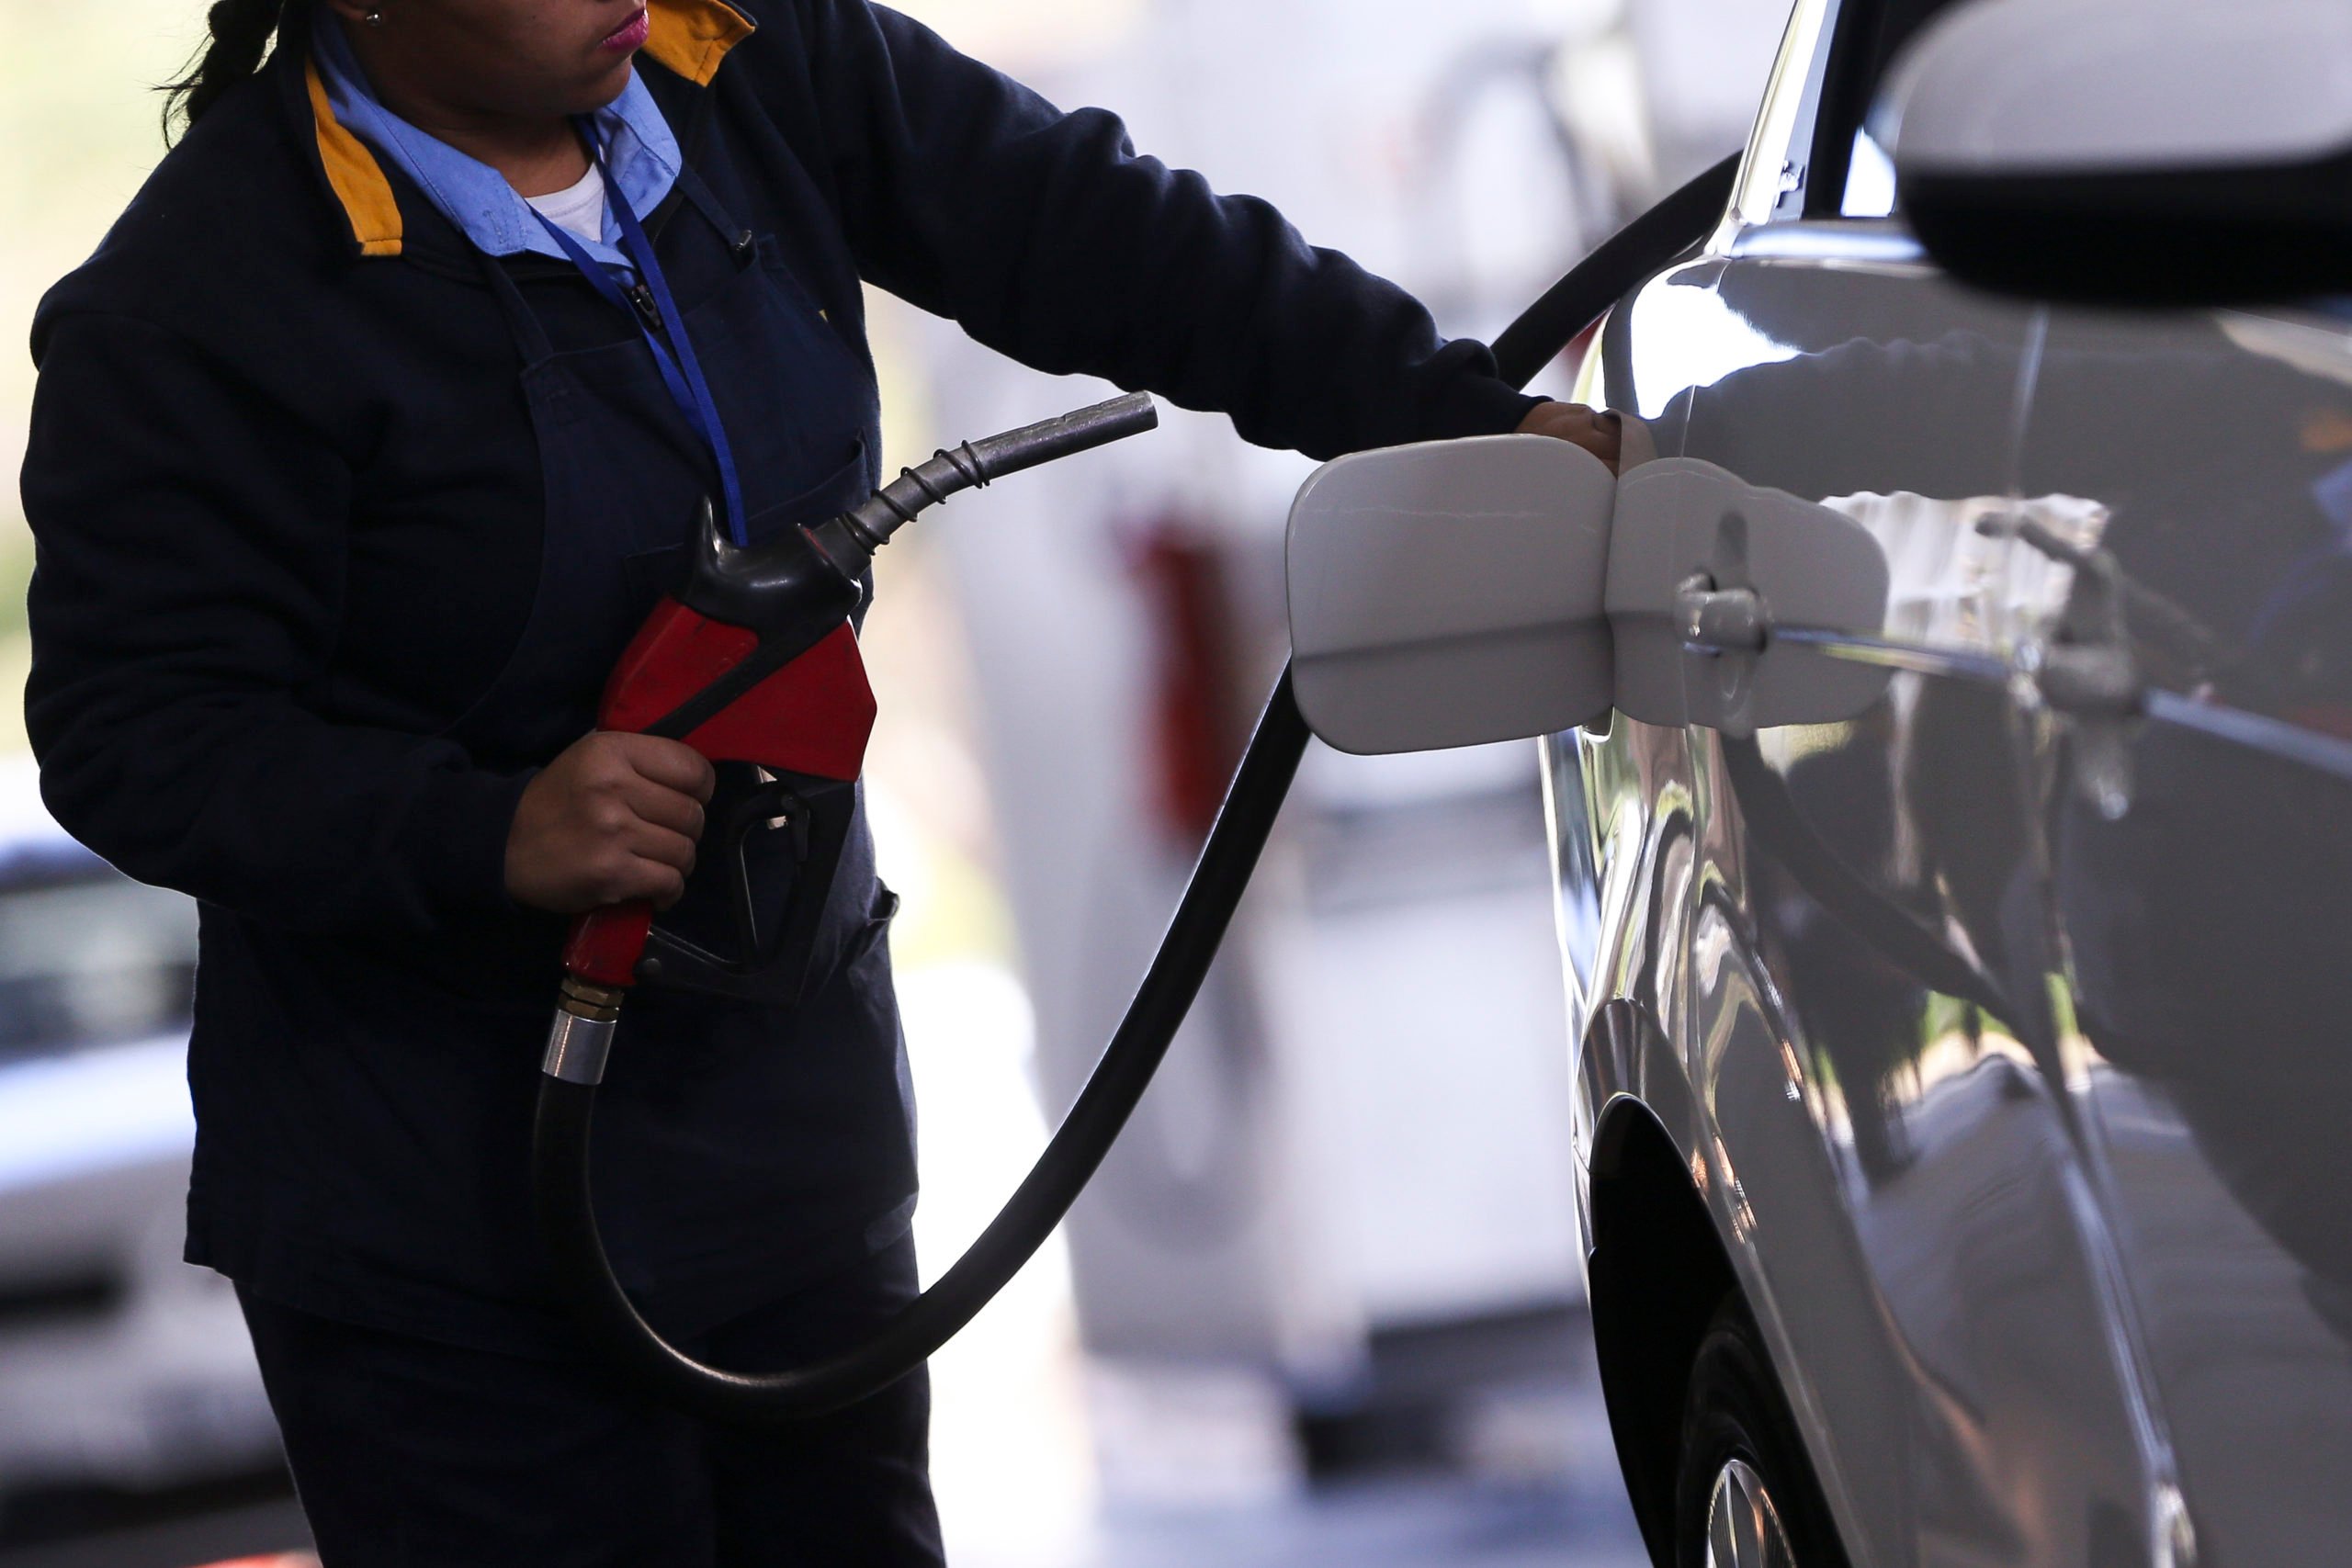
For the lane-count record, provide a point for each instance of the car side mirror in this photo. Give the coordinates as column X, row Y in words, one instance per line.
column 2130, row 151
column 1465, row 591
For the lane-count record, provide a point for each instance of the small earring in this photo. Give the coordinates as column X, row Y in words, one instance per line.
column 374, row 19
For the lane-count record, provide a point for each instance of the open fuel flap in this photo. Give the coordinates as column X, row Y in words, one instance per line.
column 1459, row 592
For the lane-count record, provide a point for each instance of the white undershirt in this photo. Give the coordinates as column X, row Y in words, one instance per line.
column 580, row 210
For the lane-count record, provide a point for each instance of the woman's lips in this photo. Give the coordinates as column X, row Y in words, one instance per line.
column 630, row 34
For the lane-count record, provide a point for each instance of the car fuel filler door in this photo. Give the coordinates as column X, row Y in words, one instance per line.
column 1465, row 592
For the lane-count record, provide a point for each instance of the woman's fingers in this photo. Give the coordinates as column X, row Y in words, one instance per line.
column 613, row 819
column 653, row 842
column 663, row 860
column 1598, row 432
column 666, row 807
column 641, row 863
column 673, row 764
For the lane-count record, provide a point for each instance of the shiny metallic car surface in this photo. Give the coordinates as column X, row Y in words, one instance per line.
column 1987, row 1041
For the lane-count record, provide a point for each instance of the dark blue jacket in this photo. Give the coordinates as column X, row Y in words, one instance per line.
column 286, row 504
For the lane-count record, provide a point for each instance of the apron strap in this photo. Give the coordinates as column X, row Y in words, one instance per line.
column 741, row 243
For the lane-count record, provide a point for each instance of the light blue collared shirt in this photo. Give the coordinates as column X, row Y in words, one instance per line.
column 640, row 156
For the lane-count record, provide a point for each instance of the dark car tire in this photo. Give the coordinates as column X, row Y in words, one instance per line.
column 1745, row 1490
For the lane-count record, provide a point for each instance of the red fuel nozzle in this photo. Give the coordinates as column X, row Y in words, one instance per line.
column 752, row 660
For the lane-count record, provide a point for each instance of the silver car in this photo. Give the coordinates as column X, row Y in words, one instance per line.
column 121, row 1369
column 1963, row 1082
column 1954, row 890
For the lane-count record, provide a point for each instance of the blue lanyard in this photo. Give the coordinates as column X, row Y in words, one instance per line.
column 657, row 316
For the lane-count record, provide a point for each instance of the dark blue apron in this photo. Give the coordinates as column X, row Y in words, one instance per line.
column 740, row 1148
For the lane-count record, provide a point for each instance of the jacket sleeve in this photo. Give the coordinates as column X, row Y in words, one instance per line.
column 1049, row 239
column 190, row 550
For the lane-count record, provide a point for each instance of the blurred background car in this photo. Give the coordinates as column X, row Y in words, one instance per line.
column 123, row 1373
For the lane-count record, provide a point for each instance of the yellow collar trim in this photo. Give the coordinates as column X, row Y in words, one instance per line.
column 688, row 37
column 691, row 36
column 358, row 180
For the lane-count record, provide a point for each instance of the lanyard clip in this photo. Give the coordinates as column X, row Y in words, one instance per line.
column 649, row 309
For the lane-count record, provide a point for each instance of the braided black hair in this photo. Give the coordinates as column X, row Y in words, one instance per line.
column 241, row 33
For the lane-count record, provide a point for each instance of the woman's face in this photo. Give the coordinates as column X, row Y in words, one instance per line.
column 501, row 59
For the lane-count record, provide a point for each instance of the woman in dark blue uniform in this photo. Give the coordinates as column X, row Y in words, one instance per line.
column 361, row 446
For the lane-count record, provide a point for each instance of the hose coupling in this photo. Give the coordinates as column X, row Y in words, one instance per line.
column 581, row 1036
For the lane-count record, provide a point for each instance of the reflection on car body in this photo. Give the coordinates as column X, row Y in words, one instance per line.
column 1987, row 1042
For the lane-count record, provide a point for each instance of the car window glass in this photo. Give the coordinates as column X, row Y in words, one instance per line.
column 1855, row 175
column 1870, row 180
column 1771, row 182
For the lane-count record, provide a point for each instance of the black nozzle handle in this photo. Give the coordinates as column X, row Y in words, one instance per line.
column 867, row 526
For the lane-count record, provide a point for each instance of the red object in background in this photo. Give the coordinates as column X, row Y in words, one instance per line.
column 283, row 1559
column 1572, row 357
column 2327, row 718
column 1194, row 740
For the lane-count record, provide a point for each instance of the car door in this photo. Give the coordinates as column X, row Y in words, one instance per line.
column 1860, row 1001
column 2201, row 850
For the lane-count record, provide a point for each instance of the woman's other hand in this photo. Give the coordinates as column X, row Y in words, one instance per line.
column 613, row 819
column 1597, row 430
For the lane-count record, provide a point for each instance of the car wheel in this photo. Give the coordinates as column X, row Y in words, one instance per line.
column 1745, row 1496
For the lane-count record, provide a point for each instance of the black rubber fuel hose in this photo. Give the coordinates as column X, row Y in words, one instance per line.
column 560, row 1152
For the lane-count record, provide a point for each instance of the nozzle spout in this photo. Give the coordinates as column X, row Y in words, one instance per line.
column 854, row 536
column 1065, row 435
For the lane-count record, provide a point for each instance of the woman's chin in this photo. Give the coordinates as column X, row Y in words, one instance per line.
column 601, row 90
